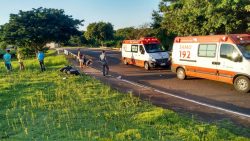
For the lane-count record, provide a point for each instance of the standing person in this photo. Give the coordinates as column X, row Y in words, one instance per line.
column 81, row 61
column 84, row 59
column 105, row 67
column 20, row 59
column 78, row 54
column 7, row 60
column 40, row 58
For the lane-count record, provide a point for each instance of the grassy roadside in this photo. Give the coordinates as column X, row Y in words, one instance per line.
column 44, row 106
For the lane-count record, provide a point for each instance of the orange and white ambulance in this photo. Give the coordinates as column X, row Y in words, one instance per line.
column 146, row 52
column 224, row 58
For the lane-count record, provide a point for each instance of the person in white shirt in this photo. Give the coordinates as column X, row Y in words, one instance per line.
column 104, row 62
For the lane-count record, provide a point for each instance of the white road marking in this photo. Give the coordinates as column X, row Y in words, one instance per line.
column 187, row 99
column 183, row 98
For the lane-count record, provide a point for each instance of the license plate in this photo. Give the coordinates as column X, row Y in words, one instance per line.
column 163, row 64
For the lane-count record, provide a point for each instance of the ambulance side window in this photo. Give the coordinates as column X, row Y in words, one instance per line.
column 142, row 51
column 228, row 51
column 134, row 48
column 207, row 50
column 126, row 48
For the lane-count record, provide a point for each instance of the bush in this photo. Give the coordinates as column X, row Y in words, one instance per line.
column 109, row 43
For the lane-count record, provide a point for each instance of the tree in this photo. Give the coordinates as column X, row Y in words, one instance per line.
column 128, row 33
column 160, row 32
column 157, row 19
column 144, row 30
column 35, row 28
column 203, row 17
column 77, row 40
column 131, row 33
column 100, row 32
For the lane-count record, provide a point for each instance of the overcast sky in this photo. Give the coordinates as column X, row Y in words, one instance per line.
column 121, row 13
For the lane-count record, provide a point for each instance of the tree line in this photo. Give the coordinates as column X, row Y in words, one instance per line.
column 31, row 30
column 181, row 18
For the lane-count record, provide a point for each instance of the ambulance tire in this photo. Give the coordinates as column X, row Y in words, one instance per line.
column 181, row 74
column 146, row 66
column 125, row 61
column 242, row 84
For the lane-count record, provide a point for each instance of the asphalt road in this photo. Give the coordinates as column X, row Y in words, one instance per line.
column 202, row 90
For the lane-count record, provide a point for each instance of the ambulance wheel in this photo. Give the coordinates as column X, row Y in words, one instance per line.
column 181, row 74
column 125, row 61
column 146, row 66
column 242, row 84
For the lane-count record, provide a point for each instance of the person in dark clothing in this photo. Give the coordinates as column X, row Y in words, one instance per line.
column 104, row 62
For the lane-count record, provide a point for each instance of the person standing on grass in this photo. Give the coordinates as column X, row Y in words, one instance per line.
column 7, row 60
column 104, row 62
column 40, row 58
column 20, row 60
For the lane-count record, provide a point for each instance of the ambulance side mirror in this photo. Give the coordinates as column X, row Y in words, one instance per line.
column 142, row 52
column 238, row 58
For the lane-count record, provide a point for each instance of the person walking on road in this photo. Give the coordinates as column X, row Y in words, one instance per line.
column 20, row 60
column 104, row 62
column 40, row 58
column 7, row 60
column 81, row 61
column 78, row 54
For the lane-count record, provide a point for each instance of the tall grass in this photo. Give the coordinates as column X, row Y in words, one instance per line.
column 45, row 106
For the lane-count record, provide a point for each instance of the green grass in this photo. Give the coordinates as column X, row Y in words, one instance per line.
column 44, row 106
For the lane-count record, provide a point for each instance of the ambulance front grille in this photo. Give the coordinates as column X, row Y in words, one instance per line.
column 161, row 60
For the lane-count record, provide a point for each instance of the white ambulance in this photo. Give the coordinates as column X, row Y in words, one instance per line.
column 224, row 58
column 146, row 52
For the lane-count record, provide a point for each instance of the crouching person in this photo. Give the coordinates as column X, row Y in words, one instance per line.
column 88, row 62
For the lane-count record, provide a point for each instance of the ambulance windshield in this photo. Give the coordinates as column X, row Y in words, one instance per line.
column 153, row 48
column 245, row 49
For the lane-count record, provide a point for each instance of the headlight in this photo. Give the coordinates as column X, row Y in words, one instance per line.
column 152, row 59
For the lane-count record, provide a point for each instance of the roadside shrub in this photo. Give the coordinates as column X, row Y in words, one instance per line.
column 109, row 43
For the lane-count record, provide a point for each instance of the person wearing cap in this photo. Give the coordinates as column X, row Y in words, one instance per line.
column 40, row 57
column 7, row 60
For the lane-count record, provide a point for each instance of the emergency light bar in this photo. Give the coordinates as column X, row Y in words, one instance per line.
column 145, row 40
column 224, row 38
